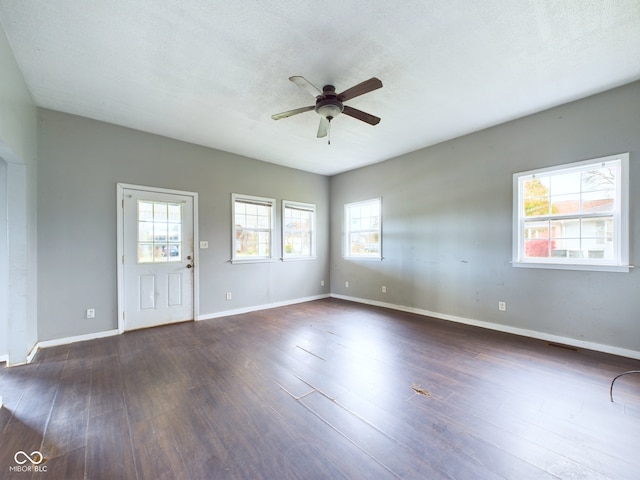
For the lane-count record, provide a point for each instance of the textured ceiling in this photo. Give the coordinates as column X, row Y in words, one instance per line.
column 212, row 72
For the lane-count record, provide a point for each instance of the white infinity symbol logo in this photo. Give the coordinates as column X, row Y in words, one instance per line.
column 34, row 455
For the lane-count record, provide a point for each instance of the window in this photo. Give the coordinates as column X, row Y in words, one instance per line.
column 363, row 235
column 159, row 232
column 573, row 216
column 252, row 229
column 298, row 230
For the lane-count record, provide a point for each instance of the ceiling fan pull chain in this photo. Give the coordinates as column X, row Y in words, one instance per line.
column 329, row 134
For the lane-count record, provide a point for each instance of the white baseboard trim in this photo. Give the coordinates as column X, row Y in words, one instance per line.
column 32, row 354
column 599, row 347
column 255, row 308
column 4, row 358
column 623, row 352
column 108, row 333
column 67, row 340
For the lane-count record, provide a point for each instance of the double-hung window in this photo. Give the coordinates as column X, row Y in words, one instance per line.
column 363, row 229
column 253, row 228
column 298, row 230
column 573, row 216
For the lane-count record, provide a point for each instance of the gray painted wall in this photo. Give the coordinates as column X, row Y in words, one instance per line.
column 80, row 162
column 447, row 226
column 18, row 149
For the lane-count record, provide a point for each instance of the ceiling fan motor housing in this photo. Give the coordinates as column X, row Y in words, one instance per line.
column 328, row 105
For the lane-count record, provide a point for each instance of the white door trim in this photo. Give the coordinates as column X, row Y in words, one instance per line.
column 19, row 327
column 120, row 187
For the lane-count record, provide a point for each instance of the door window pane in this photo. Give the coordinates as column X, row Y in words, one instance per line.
column 145, row 252
column 159, row 232
column 159, row 212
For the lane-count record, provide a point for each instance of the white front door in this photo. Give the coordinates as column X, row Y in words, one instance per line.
column 157, row 258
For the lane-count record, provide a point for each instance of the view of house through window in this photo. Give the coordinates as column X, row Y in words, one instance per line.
column 253, row 227
column 363, row 234
column 572, row 214
column 298, row 230
column 159, row 232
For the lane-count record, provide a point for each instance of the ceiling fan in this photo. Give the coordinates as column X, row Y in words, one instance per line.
column 330, row 104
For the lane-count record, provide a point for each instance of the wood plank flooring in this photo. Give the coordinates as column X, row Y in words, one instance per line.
column 321, row 390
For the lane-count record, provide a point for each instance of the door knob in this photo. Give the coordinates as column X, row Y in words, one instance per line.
column 189, row 266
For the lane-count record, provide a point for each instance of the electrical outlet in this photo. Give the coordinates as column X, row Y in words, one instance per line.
column 346, row 284
column 91, row 313
column 322, row 283
column 384, row 289
column 228, row 295
column 502, row 306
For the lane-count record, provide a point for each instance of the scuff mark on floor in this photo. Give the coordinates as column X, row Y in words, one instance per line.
column 420, row 391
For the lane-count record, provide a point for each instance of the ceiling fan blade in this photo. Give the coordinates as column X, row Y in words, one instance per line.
column 323, row 128
column 306, row 85
column 360, row 89
column 278, row 116
column 360, row 115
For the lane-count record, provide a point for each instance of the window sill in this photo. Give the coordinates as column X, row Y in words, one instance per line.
column 253, row 260
column 297, row 259
column 366, row 259
column 574, row 266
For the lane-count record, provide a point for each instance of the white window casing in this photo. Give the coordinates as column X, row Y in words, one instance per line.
column 298, row 231
column 363, row 230
column 573, row 216
column 253, row 224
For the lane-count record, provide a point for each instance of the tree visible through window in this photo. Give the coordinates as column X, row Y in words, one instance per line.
column 574, row 214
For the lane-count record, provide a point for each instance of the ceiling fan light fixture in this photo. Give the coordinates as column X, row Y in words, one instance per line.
column 329, row 108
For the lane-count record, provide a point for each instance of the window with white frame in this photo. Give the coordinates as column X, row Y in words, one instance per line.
column 363, row 229
column 298, row 230
column 573, row 216
column 252, row 228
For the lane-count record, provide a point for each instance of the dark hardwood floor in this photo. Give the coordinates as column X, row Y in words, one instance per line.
column 322, row 390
